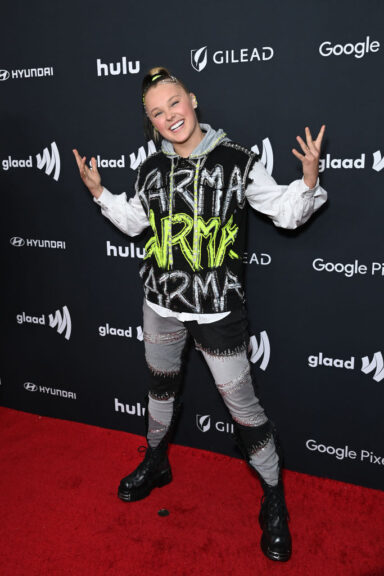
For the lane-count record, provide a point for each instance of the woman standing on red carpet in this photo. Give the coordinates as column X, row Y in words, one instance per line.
column 193, row 194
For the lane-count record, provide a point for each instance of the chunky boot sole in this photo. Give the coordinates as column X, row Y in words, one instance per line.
column 273, row 554
column 140, row 492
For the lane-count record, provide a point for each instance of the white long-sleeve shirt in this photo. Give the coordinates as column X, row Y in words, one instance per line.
column 288, row 207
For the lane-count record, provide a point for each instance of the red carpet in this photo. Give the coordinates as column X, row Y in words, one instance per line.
column 60, row 515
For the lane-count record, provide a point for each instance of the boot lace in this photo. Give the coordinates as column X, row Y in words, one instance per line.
column 273, row 507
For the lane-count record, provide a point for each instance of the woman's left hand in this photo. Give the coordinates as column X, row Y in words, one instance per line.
column 310, row 159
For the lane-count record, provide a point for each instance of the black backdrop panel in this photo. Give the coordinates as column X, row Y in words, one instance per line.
column 71, row 296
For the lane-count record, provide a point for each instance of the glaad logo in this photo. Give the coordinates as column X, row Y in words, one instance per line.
column 10, row 162
column 61, row 320
column 321, row 360
column 48, row 160
column 266, row 155
column 135, row 160
column 108, row 330
column 344, row 452
column 260, row 351
column 51, row 162
column 358, row 50
column 358, row 163
column 26, row 73
column 349, row 269
column 35, row 243
column 199, row 56
column 132, row 410
column 4, row 75
column 337, row 163
column 117, row 68
column 376, row 364
column 51, row 391
column 30, row 387
column 204, row 424
column 367, row 366
column 109, row 162
column 125, row 251
column 378, row 161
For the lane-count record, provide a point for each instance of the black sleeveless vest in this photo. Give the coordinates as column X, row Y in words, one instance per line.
column 196, row 208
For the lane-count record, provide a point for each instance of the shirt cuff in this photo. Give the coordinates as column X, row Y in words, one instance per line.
column 105, row 199
column 310, row 190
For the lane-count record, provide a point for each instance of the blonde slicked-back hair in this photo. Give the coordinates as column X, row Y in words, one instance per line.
column 155, row 76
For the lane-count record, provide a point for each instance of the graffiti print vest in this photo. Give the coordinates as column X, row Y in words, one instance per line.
column 196, row 208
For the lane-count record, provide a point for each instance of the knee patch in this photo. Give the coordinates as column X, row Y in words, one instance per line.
column 253, row 439
column 164, row 354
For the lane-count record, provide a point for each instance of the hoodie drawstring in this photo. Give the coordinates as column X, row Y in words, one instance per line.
column 195, row 214
column 170, row 213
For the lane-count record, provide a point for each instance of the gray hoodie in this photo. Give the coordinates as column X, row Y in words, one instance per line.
column 211, row 139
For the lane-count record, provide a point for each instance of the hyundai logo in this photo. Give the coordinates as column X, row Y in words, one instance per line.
column 17, row 241
column 30, row 387
column 4, row 75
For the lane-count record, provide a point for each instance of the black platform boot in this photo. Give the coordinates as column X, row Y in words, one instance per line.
column 154, row 471
column 276, row 541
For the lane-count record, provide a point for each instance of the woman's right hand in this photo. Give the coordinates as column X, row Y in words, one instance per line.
column 91, row 178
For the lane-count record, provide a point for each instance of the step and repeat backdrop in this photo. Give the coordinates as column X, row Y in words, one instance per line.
column 72, row 342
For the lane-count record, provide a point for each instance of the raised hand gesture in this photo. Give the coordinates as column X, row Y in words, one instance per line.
column 310, row 159
column 91, row 178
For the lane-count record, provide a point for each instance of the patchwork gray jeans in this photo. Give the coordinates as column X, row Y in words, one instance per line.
column 224, row 346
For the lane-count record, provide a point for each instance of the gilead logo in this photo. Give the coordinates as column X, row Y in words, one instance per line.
column 261, row 259
column 199, row 56
column 243, row 55
column 204, row 424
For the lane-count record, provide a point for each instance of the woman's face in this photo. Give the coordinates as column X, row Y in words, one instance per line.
column 172, row 112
